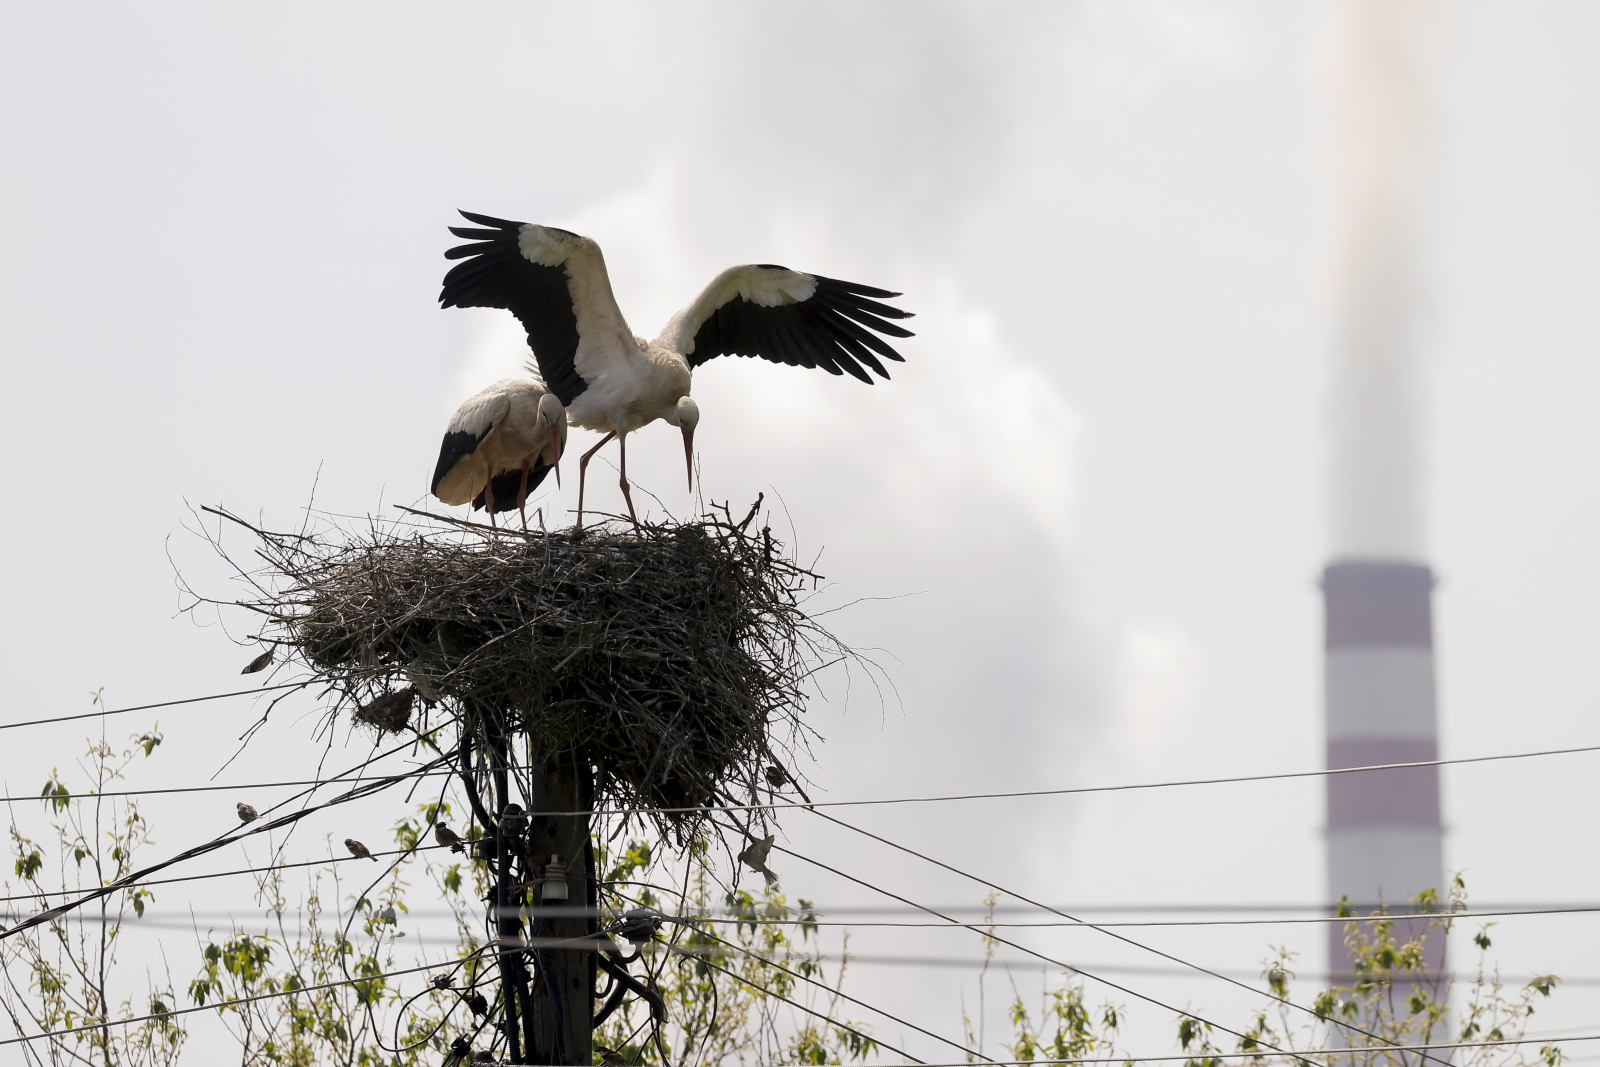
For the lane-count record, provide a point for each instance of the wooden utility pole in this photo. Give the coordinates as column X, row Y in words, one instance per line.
column 539, row 862
column 559, row 846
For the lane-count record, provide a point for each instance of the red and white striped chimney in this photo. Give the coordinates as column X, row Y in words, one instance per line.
column 1385, row 836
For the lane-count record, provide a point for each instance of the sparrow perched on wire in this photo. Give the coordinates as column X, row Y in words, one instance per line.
column 260, row 663
column 442, row 981
column 483, row 1055
column 446, row 836
column 611, row 1058
column 755, row 857
column 246, row 812
column 358, row 850
column 474, row 1000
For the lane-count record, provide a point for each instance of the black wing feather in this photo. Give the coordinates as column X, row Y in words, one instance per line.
column 472, row 234
column 855, row 310
column 868, row 339
column 495, row 274
column 863, row 352
column 862, row 304
column 831, row 330
column 455, row 446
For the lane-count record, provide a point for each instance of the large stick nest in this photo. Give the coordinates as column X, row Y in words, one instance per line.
column 670, row 658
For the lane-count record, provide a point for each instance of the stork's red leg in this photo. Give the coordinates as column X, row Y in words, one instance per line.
column 488, row 496
column 583, row 465
column 522, row 495
column 626, row 495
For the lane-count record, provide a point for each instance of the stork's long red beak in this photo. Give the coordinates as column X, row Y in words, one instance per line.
column 688, row 455
column 555, row 452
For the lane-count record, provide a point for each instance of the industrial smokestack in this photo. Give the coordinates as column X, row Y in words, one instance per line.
column 1384, row 833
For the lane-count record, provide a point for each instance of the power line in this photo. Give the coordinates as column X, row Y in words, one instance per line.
column 755, row 919
column 1109, row 933
column 146, row 707
column 811, row 806
column 221, row 874
column 1345, row 1050
column 1074, row 791
column 1022, row 948
column 810, row 1011
column 239, row 1000
column 130, row 880
column 1174, row 922
column 836, row 992
column 239, row 787
column 869, row 959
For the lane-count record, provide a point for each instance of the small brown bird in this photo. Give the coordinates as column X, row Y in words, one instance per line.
column 358, row 850
column 260, row 663
column 474, row 1000
column 755, row 857
column 611, row 1058
column 246, row 812
column 446, row 836
column 442, row 981
column 778, row 778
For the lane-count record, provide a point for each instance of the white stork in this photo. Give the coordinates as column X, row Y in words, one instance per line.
column 499, row 446
column 612, row 382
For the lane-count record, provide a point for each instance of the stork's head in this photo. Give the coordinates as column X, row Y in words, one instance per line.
column 553, row 418
column 688, row 416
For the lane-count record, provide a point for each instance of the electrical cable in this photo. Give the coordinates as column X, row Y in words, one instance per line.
column 298, row 990
column 219, row 874
column 1098, row 789
column 128, row 881
column 146, row 707
column 1121, row 937
column 1279, row 776
column 579, row 944
column 1022, row 948
column 228, row 838
column 1077, row 970
column 1173, row 923
column 54, row 798
column 809, row 1011
column 812, row 805
column 199, row 789
column 839, row 993
column 1204, row 1057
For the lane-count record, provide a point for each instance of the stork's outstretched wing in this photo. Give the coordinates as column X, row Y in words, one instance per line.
column 776, row 313
column 554, row 281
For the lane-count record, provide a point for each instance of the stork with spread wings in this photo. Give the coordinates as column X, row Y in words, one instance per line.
column 612, row 382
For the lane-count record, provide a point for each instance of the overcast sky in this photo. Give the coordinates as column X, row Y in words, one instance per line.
column 1096, row 487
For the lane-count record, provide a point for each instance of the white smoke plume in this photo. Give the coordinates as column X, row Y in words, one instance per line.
column 1379, row 67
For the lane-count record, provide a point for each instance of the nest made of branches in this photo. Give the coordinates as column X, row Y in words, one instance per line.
column 670, row 658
